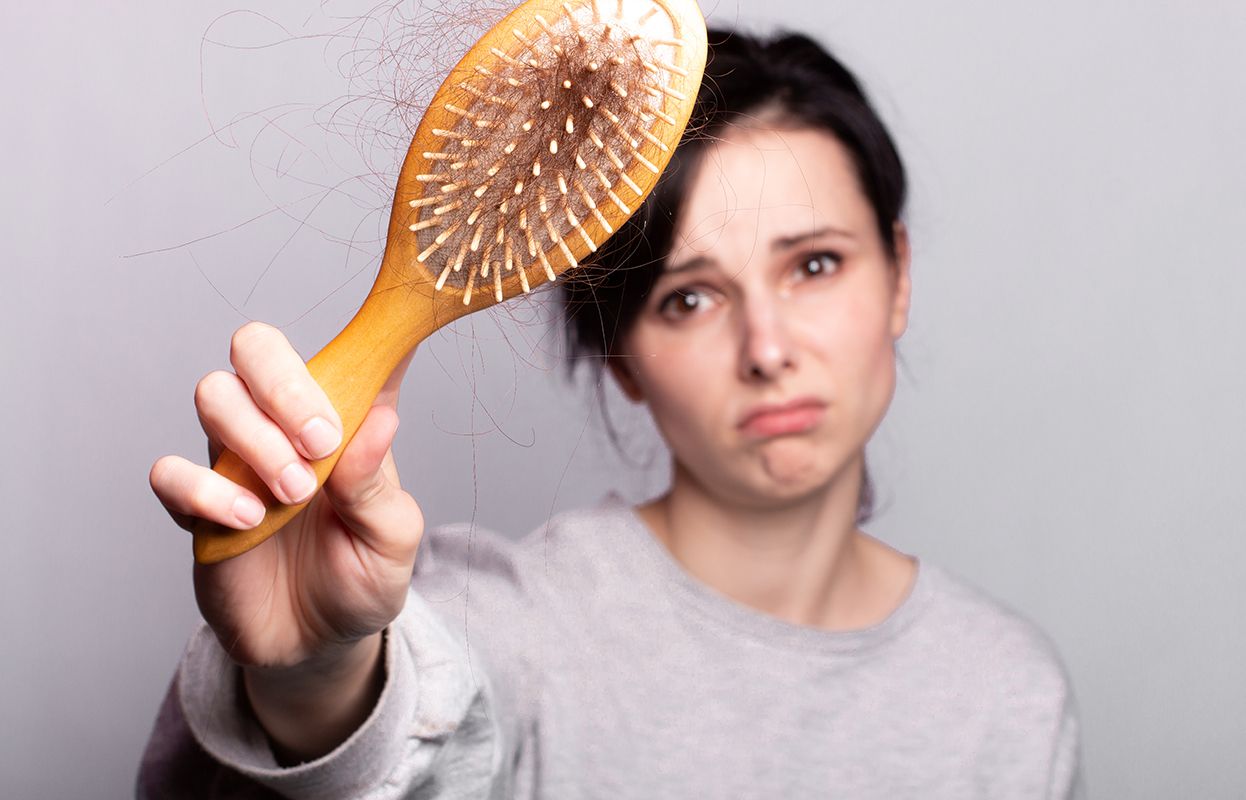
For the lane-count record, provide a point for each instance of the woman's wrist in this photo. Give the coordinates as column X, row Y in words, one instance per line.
column 309, row 709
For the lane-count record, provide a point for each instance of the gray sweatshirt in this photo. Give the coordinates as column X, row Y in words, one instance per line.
column 583, row 662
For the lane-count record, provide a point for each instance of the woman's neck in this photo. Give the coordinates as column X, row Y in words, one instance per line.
column 804, row 562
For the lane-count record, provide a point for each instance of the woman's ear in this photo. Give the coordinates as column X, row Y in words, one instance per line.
column 903, row 284
column 625, row 379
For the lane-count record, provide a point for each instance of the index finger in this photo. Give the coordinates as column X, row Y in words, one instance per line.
column 283, row 389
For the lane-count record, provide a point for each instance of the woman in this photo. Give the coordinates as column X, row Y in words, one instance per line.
column 738, row 636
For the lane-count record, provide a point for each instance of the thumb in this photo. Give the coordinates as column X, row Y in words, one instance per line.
column 364, row 494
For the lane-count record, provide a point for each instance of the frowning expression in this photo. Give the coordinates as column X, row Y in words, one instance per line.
column 766, row 349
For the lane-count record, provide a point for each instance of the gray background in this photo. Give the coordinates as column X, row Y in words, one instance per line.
column 1068, row 428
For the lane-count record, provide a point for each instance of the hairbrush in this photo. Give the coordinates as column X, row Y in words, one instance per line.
column 544, row 138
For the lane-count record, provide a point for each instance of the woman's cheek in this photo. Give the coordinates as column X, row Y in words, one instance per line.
column 680, row 389
column 878, row 374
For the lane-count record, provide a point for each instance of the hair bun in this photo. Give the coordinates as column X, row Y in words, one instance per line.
column 788, row 60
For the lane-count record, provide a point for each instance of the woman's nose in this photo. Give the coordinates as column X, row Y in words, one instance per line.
column 766, row 349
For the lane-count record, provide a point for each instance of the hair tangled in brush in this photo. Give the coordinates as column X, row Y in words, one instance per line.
column 544, row 147
column 788, row 81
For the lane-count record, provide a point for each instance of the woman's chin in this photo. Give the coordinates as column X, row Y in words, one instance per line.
column 783, row 472
column 797, row 463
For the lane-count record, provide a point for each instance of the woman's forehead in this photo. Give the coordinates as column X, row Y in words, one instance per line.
column 759, row 184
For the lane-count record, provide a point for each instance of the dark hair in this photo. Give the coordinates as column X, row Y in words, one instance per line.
column 788, row 80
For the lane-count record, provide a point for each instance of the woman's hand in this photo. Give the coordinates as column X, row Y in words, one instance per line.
column 303, row 610
column 339, row 571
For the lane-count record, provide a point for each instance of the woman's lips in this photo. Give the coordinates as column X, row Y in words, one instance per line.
column 797, row 416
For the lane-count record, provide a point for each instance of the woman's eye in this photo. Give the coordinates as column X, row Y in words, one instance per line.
column 819, row 264
column 683, row 303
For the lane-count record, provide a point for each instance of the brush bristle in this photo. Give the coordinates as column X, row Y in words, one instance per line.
column 542, row 140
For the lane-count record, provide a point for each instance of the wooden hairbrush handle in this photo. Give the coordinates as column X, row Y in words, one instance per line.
column 352, row 369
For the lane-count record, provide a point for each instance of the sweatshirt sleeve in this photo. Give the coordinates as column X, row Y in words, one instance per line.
column 1066, row 769
column 432, row 733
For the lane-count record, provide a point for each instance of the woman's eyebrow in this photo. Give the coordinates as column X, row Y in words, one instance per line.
column 788, row 242
column 693, row 263
column 777, row 244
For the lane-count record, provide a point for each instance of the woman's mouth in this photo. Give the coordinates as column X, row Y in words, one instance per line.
column 778, row 419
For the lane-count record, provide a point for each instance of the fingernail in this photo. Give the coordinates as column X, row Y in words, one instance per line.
column 297, row 482
column 248, row 511
column 319, row 438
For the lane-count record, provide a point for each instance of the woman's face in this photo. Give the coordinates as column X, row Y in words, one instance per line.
column 766, row 349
